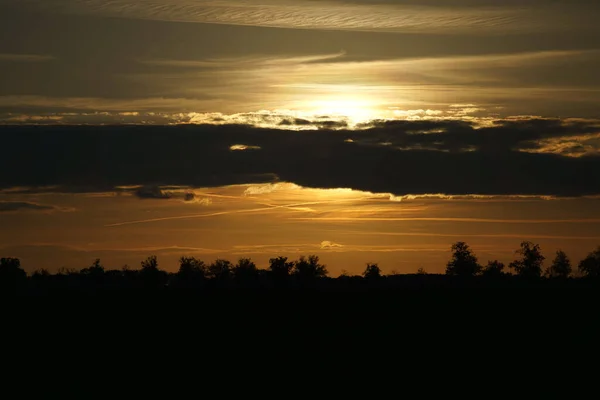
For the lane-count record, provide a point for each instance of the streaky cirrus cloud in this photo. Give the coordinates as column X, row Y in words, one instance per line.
column 13, row 57
column 240, row 89
column 14, row 206
column 244, row 61
column 362, row 16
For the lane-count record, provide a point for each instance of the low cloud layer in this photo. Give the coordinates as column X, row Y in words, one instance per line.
column 507, row 157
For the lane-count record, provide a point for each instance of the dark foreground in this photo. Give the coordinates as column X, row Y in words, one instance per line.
column 341, row 304
column 313, row 332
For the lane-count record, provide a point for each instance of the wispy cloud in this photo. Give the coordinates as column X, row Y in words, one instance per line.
column 99, row 107
column 292, row 91
column 331, row 247
column 458, row 236
column 110, row 249
column 327, row 245
column 245, row 61
column 267, row 208
column 10, row 57
column 450, row 219
column 15, row 206
column 304, row 14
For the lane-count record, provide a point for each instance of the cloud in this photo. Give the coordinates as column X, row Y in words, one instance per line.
column 152, row 192
column 297, row 89
column 452, row 219
column 57, row 247
column 423, row 157
column 359, row 15
column 13, row 206
column 269, row 188
column 242, row 147
column 327, row 245
column 10, row 57
column 158, row 192
column 192, row 198
column 95, row 108
column 245, row 62
column 307, row 14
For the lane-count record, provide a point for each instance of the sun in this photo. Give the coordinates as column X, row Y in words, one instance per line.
column 352, row 104
column 356, row 110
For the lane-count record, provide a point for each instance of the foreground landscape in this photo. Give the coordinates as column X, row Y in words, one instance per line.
column 238, row 306
column 462, row 271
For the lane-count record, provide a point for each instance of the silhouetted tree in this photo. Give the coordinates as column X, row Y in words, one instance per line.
column 420, row 271
column 11, row 273
column 493, row 269
column 530, row 264
column 41, row 273
column 245, row 270
column 191, row 268
column 65, row 271
column 150, row 264
column 220, row 270
column 463, row 261
column 129, row 275
column 94, row 271
column 561, row 266
column 150, row 274
column 590, row 266
column 280, row 267
column 191, row 272
column 372, row 271
column 309, row 269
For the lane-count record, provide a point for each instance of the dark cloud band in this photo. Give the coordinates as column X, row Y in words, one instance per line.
column 399, row 157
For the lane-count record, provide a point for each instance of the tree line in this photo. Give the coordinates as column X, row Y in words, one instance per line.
column 529, row 263
column 194, row 273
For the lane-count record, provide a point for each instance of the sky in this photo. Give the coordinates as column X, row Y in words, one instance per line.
column 358, row 130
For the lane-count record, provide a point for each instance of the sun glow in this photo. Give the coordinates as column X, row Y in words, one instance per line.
column 355, row 110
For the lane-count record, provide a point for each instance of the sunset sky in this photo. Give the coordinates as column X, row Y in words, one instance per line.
column 358, row 130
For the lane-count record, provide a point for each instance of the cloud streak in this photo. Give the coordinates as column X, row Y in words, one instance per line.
column 9, row 57
column 268, row 207
column 360, row 16
column 450, row 219
column 14, row 206
column 302, row 87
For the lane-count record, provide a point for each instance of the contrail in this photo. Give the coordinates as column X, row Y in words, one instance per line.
column 215, row 214
column 426, row 234
column 192, row 216
column 441, row 219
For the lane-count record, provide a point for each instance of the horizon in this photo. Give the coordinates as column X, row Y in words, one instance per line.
column 364, row 131
column 559, row 266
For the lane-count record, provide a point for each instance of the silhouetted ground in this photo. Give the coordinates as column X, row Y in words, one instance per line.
column 289, row 333
column 326, row 301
